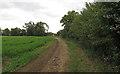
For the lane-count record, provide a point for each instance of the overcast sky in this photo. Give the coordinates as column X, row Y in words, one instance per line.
column 14, row 13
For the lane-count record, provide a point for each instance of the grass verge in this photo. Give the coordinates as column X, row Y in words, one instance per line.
column 79, row 61
column 73, row 57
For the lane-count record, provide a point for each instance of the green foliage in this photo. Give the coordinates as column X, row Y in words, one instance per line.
column 15, row 31
column 37, row 29
column 23, row 32
column 31, row 29
column 96, row 28
column 21, row 50
column 67, row 20
column 6, row 32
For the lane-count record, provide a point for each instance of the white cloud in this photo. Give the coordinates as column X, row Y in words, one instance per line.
column 14, row 13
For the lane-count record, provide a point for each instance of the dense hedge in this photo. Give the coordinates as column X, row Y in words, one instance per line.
column 96, row 28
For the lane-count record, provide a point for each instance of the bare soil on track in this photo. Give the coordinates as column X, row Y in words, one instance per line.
column 53, row 59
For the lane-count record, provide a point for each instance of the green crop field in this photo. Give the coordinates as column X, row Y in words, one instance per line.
column 17, row 51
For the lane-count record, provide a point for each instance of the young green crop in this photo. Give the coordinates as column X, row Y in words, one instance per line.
column 21, row 49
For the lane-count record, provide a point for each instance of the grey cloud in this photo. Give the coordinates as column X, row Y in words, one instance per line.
column 52, row 15
column 7, row 17
column 4, row 5
column 28, row 6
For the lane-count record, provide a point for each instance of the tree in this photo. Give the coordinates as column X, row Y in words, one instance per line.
column 44, row 25
column 29, row 28
column 37, row 29
column 67, row 21
column 23, row 32
column 15, row 31
column 6, row 32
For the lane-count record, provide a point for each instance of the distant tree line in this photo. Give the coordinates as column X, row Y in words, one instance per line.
column 97, row 29
column 31, row 29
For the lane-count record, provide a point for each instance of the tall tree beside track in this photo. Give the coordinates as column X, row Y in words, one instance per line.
column 67, row 21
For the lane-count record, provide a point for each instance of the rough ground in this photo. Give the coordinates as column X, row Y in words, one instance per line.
column 54, row 59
